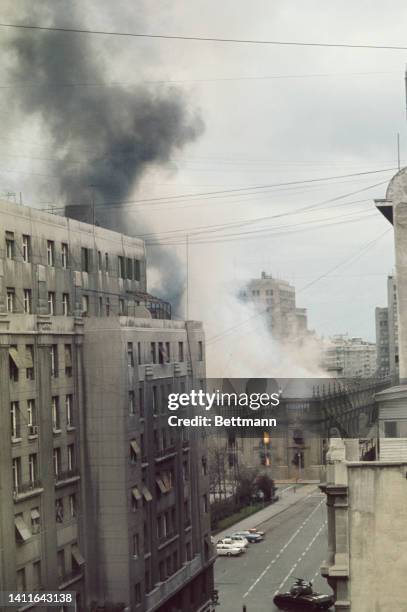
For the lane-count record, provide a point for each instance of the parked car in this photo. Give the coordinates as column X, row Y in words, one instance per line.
column 238, row 539
column 302, row 597
column 239, row 543
column 255, row 530
column 228, row 550
column 252, row 538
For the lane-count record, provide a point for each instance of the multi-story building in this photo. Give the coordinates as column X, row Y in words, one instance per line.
column 349, row 357
column 387, row 334
column 276, row 298
column 382, row 341
column 98, row 495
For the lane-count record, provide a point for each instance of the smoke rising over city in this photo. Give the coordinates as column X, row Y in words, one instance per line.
column 106, row 136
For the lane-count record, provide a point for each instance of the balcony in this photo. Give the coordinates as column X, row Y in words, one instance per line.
column 165, row 453
column 164, row 590
column 67, row 476
column 69, row 578
column 27, row 489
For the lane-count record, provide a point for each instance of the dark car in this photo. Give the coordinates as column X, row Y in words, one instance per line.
column 302, row 597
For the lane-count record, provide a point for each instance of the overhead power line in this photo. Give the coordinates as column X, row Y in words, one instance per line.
column 245, row 41
column 38, row 83
column 367, row 246
column 112, row 203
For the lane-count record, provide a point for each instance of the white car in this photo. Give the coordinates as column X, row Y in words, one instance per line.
column 229, row 550
column 238, row 540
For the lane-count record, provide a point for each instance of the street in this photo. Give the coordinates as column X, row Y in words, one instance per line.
column 294, row 546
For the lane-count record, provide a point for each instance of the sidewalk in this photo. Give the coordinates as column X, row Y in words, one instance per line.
column 288, row 497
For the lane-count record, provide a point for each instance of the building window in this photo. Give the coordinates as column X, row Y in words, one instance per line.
column 85, row 305
column 61, row 563
column 54, row 360
column 59, row 510
column 33, row 468
column 200, row 351
column 50, row 253
column 204, row 466
column 29, row 361
column 134, row 450
column 65, row 304
column 72, row 505
column 85, row 259
column 13, row 364
column 16, row 467
column 130, row 355
column 100, row 306
column 11, row 299
column 57, row 463
column 71, row 457
column 64, row 255
column 153, row 352
column 99, row 260
column 121, row 307
column 37, row 582
column 122, row 271
column 107, row 307
column 132, row 406
column 129, row 268
column 107, row 262
column 35, row 520
column 205, row 503
column 68, row 360
column 69, row 411
column 180, row 351
column 27, row 301
column 56, row 417
column 136, row 545
column 21, row 583
column 10, row 245
column 161, row 353
column 137, row 269
column 137, row 594
column 390, row 429
column 51, row 302
column 26, row 248
column 139, row 361
column 31, row 418
column 15, row 420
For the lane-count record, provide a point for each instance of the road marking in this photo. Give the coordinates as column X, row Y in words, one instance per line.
column 266, row 569
column 299, row 559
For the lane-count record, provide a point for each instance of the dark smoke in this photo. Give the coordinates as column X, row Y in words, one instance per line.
column 108, row 136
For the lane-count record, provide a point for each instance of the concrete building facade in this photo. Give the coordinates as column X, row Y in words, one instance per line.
column 387, row 334
column 97, row 495
column 276, row 298
column 348, row 357
column 367, row 539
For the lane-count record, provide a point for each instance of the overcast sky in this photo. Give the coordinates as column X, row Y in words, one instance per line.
column 258, row 131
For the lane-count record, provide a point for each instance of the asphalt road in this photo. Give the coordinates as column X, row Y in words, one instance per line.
column 295, row 545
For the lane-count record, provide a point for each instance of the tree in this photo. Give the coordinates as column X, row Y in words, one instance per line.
column 266, row 485
column 245, row 485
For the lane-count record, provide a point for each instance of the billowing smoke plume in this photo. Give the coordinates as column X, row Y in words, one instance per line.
column 107, row 135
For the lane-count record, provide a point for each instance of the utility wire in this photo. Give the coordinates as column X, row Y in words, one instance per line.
column 240, row 189
column 249, row 41
column 364, row 248
column 24, row 84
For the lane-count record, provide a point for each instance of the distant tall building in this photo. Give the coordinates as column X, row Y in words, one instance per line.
column 382, row 341
column 98, row 494
column 387, row 333
column 349, row 357
column 277, row 299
